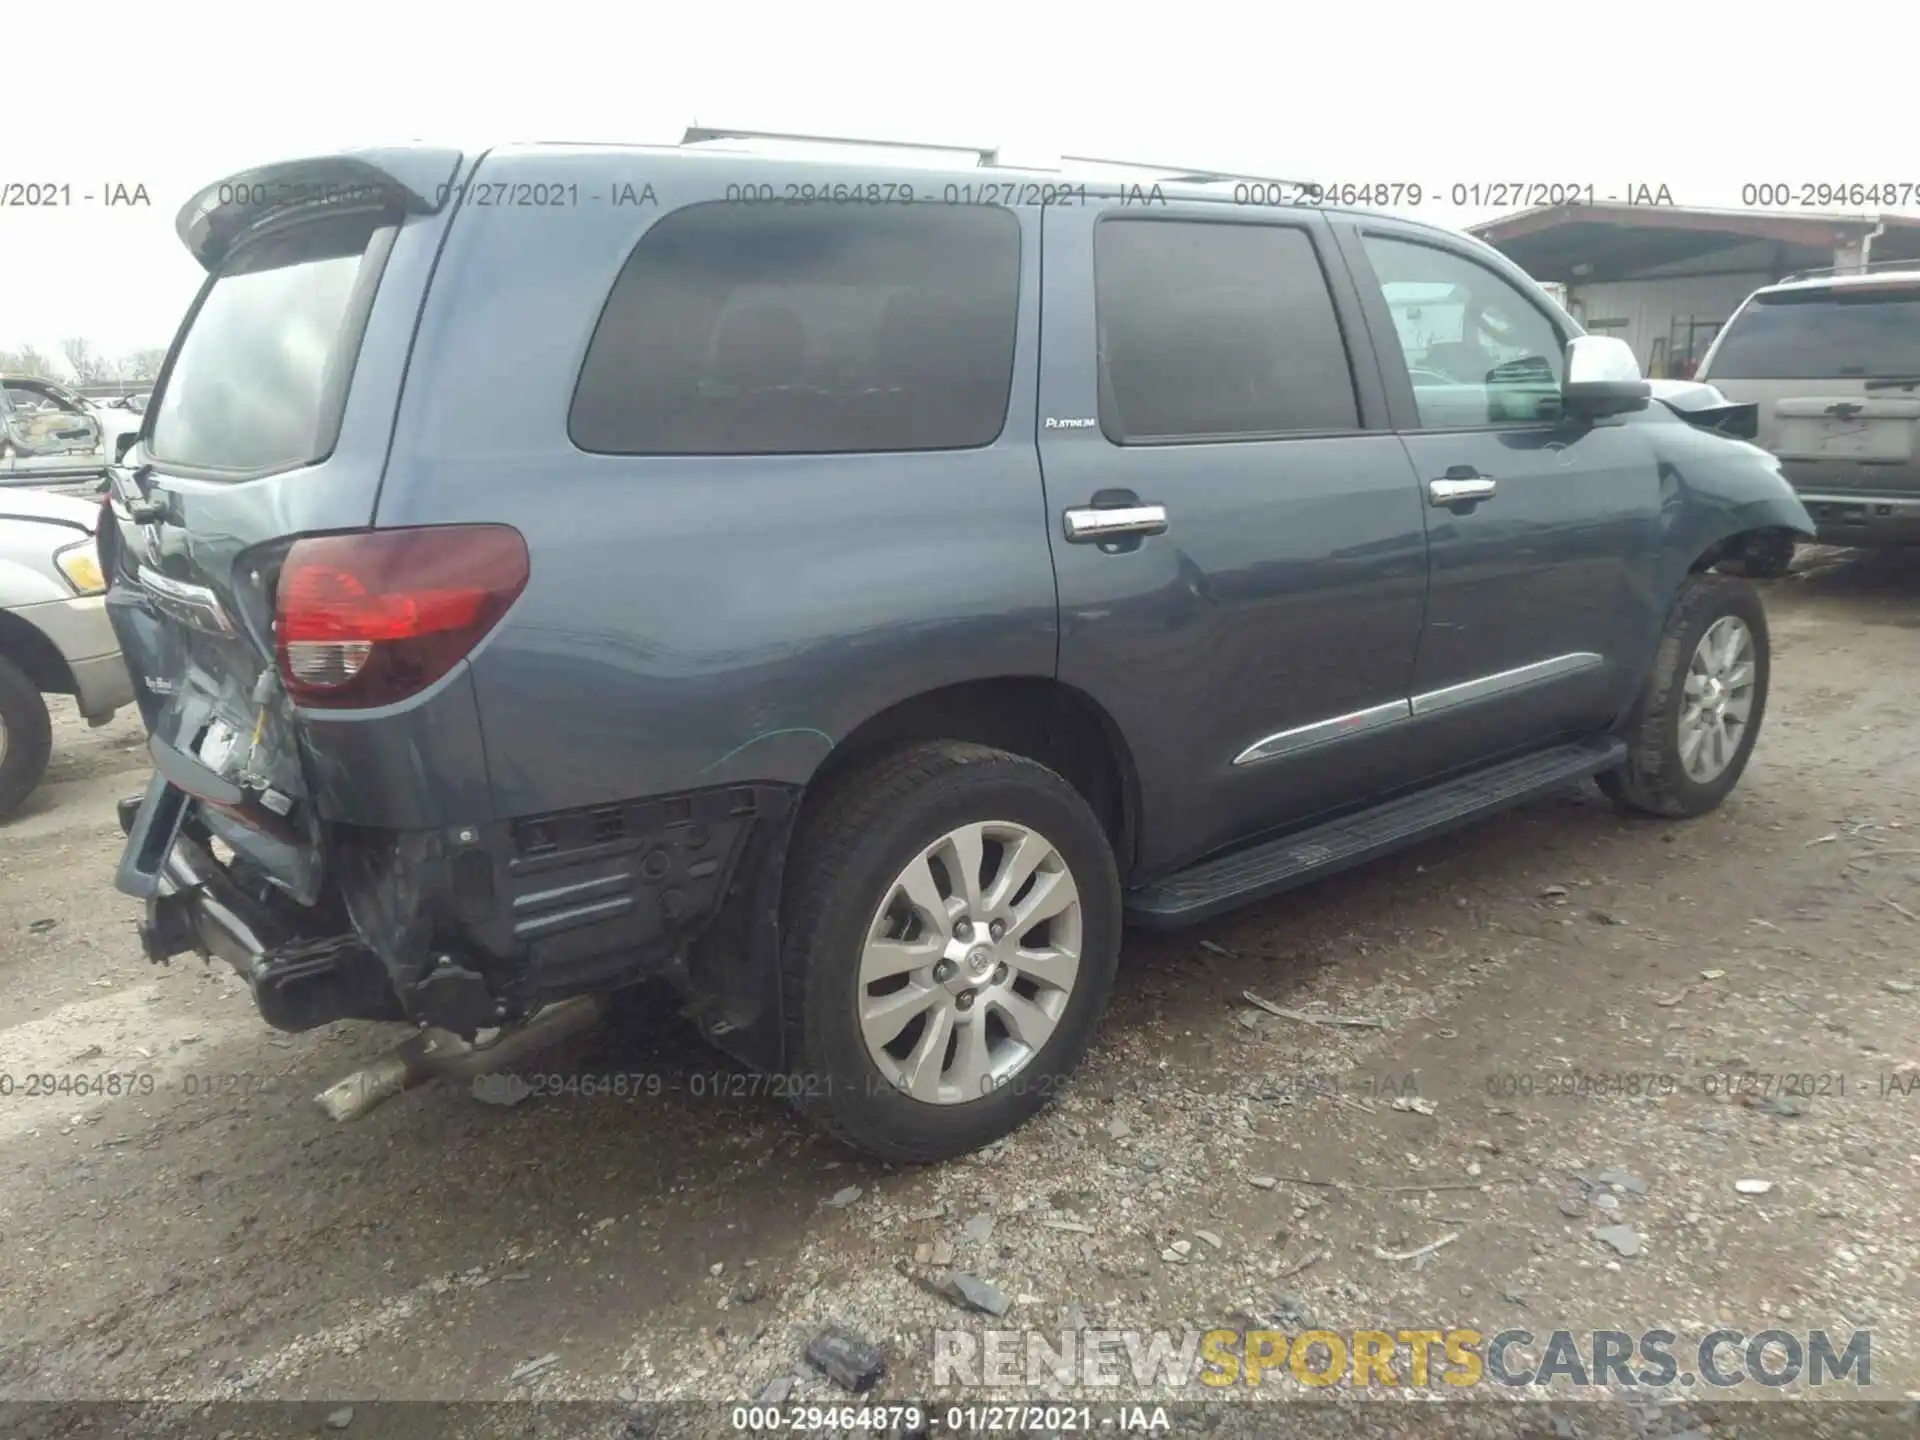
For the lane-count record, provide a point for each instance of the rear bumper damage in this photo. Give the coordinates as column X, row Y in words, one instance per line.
column 472, row 930
column 299, row 979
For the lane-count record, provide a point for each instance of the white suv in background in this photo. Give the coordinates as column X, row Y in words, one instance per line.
column 1832, row 363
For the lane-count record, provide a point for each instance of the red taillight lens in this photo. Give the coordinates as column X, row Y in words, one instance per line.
column 370, row 619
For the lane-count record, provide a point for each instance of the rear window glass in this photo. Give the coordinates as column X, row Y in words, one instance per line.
column 735, row 330
column 1822, row 335
column 260, row 375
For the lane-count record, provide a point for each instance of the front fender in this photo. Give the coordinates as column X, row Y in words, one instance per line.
column 1712, row 488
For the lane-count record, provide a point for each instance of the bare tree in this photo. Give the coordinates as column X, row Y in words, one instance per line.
column 144, row 365
column 88, row 367
column 25, row 361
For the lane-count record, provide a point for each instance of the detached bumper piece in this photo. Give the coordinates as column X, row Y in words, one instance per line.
column 299, row 982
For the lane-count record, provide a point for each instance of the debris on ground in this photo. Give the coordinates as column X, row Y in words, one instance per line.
column 776, row 1391
column 1427, row 1249
column 533, row 1368
column 1369, row 1022
column 845, row 1359
column 1622, row 1180
column 502, row 1088
column 974, row 1293
column 840, row 1199
column 1622, row 1239
column 1753, row 1187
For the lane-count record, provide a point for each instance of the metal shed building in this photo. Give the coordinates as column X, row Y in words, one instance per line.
column 1666, row 279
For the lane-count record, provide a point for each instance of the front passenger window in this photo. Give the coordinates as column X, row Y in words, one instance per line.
column 1478, row 350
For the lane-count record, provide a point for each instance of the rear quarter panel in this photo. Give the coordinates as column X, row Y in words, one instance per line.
column 693, row 621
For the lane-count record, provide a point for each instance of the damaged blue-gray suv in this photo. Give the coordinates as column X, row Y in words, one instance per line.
column 853, row 593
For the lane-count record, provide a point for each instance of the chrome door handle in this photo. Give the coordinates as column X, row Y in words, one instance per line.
column 1452, row 492
column 1089, row 525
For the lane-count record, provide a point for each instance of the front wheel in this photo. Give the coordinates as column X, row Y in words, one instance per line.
column 952, row 920
column 1694, row 726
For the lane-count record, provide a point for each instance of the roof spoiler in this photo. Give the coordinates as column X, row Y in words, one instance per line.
column 412, row 179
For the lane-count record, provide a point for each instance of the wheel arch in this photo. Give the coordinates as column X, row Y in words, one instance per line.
column 733, row 972
column 1038, row 717
column 22, row 642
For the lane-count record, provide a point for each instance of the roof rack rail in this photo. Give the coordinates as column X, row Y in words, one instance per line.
column 1194, row 175
column 699, row 134
column 1836, row 270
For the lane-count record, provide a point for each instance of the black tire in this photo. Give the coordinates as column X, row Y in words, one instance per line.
column 28, row 741
column 1654, row 781
column 1765, row 558
column 854, row 839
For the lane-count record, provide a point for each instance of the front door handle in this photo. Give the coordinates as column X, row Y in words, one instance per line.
column 1455, row 489
column 1090, row 525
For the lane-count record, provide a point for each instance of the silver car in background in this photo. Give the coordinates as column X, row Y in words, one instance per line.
column 1832, row 365
column 53, row 436
column 54, row 635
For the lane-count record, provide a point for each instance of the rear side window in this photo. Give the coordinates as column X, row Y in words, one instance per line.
column 1822, row 335
column 260, row 377
column 738, row 330
column 1216, row 331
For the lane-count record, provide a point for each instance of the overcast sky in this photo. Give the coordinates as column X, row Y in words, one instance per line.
column 173, row 97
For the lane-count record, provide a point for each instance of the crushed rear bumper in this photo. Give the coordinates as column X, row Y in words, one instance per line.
column 464, row 929
column 299, row 979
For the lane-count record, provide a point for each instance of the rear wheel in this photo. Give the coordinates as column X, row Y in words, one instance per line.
column 26, row 737
column 952, row 922
column 1695, row 724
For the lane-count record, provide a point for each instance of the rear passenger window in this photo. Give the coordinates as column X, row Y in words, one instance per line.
column 1216, row 331
column 740, row 330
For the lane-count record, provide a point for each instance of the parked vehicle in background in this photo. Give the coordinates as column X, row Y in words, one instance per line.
column 55, row 638
column 1833, row 364
column 50, row 434
column 120, row 420
column 833, row 620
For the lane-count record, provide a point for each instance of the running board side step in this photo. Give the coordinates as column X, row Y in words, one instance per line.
column 1227, row 881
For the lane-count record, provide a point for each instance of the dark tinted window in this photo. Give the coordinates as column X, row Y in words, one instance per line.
column 1823, row 335
column 740, row 330
column 1479, row 351
column 259, row 378
column 1216, row 331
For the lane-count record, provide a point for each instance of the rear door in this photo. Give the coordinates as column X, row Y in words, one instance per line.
column 1238, row 537
column 270, row 421
column 1835, row 371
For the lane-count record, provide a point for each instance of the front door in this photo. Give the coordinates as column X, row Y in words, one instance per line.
column 1238, row 537
column 1543, row 531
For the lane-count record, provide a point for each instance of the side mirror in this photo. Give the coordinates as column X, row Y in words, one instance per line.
column 1603, row 378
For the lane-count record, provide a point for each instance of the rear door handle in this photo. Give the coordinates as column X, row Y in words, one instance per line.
column 1089, row 525
column 1455, row 488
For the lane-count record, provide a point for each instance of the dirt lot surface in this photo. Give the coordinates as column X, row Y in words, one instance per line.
column 1590, row 1031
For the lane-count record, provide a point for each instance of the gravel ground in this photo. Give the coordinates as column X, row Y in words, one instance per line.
column 1588, row 1030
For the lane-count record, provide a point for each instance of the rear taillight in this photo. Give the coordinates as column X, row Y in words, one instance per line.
column 373, row 618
